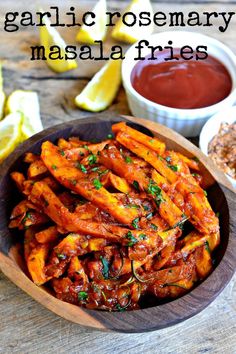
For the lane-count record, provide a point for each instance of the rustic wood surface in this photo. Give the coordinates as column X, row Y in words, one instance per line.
column 26, row 327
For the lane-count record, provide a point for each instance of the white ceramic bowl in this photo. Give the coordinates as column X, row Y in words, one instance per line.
column 211, row 128
column 187, row 122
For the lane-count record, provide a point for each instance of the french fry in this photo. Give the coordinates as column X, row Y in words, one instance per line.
column 36, row 169
column 119, row 183
column 74, row 179
column 36, row 262
column 19, row 180
column 149, row 156
column 150, row 142
column 48, row 235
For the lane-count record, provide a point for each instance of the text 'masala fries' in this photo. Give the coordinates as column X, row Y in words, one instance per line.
column 108, row 224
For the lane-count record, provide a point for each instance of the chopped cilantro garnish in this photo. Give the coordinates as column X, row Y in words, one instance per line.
column 155, row 191
column 174, row 168
column 81, row 167
column 143, row 237
column 195, row 174
column 128, row 159
column 207, row 247
column 205, row 192
column 95, row 169
column 92, row 159
column 149, row 216
column 61, row 256
column 136, row 185
column 119, row 308
column 132, row 206
column 135, row 223
column 105, row 270
column 62, row 153
column 102, row 173
column 110, row 136
column 154, row 227
column 151, row 141
column 85, row 147
column 97, row 184
column 54, row 167
column 82, row 296
column 131, row 238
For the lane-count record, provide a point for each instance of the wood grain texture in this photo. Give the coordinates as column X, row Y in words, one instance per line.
column 25, row 326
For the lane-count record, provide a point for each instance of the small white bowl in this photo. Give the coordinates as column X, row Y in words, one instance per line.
column 211, row 128
column 187, row 122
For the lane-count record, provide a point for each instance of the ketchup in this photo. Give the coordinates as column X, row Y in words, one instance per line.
column 181, row 83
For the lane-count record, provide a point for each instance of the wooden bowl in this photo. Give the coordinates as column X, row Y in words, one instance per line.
column 221, row 198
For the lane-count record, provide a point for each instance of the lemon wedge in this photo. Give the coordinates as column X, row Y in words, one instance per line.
column 2, row 94
column 134, row 33
column 10, row 134
column 89, row 34
column 27, row 104
column 102, row 89
column 50, row 37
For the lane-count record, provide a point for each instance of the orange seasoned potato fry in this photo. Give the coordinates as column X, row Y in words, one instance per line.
column 106, row 224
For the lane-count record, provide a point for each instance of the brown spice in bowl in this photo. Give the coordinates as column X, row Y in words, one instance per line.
column 222, row 149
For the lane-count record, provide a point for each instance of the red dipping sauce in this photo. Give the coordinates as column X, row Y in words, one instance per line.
column 184, row 84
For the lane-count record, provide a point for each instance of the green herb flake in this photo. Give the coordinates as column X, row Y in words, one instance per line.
column 73, row 181
column 143, row 237
column 131, row 238
column 207, row 247
column 154, row 227
column 92, row 159
column 81, row 167
column 54, row 167
column 105, row 269
column 119, row 308
column 155, row 191
column 110, row 136
column 82, row 296
column 195, row 175
column 97, row 184
column 85, row 147
column 132, row 206
column 168, row 159
column 135, row 223
column 62, row 153
column 61, row 256
column 128, row 159
column 149, row 216
column 95, row 169
column 205, row 192
column 151, row 141
column 136, row 185
column 174, row 168
column 102, row 173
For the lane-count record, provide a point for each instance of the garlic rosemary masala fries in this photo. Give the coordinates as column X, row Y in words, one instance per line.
column 106, row 224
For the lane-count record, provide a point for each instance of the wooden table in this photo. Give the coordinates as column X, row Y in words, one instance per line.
column 25, row 326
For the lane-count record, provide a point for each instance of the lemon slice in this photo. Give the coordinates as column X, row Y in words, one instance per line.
column 27, row 104
column 2, row 94
column 10, row 134
column 89, row 34
column 102, row 89
column 50, row 37
column 134, row 33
